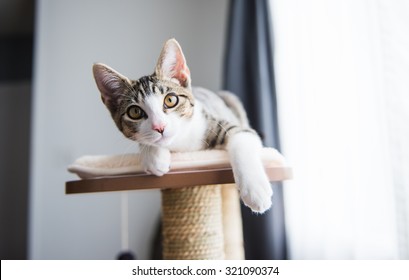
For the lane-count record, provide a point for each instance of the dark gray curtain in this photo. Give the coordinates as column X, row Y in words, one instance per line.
column 249, row 73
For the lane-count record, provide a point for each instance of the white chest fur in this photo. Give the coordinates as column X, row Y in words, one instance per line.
column 191, row 135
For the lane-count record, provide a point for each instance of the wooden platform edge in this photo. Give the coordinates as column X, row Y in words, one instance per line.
column 169, row 180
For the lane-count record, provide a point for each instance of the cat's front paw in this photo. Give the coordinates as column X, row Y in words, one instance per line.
column 256, row 193
column 157, row 163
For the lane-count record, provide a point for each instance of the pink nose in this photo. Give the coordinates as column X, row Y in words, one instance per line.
column 159, row 127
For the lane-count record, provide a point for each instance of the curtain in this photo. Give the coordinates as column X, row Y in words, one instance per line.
column 248, row 73
column 342, row 71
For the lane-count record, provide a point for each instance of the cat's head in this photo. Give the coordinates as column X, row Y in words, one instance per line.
column 153, row 109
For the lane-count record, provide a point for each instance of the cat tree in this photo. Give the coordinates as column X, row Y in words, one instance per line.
column 200, row 205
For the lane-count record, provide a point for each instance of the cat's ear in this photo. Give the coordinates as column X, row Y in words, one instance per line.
column 109, row 83
column 172, row 64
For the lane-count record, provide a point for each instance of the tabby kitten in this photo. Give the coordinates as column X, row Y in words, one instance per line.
column 164, row 114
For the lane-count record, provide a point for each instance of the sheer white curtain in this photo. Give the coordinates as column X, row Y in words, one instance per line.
column 342, row 73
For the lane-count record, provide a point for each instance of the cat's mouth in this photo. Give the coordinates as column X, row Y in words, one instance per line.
column 163, row 140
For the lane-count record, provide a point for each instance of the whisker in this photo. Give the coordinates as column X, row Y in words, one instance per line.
column 205, row 142
column 126, row 152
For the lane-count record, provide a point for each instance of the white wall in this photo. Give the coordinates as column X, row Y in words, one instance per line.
column 69, row 119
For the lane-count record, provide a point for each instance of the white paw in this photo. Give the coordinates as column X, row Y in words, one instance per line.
column 256, row 193
column 157, row 163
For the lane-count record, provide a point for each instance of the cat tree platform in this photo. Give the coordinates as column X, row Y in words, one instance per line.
column 200, row 204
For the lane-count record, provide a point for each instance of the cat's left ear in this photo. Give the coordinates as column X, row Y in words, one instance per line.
column 172, row 64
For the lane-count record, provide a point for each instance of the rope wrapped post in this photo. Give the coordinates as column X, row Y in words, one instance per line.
column 192, row 223
column 232, row 223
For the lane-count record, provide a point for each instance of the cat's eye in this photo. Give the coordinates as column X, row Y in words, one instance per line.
column 171, row 100
column 135, row 113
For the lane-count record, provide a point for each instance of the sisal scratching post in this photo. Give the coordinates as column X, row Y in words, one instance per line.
column 232, row 223
column 192, row 223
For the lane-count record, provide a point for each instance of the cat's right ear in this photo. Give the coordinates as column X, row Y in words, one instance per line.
column 109, row 83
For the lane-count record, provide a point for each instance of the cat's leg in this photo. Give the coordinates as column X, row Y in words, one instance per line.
column 244, row 150
column 155, row 160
